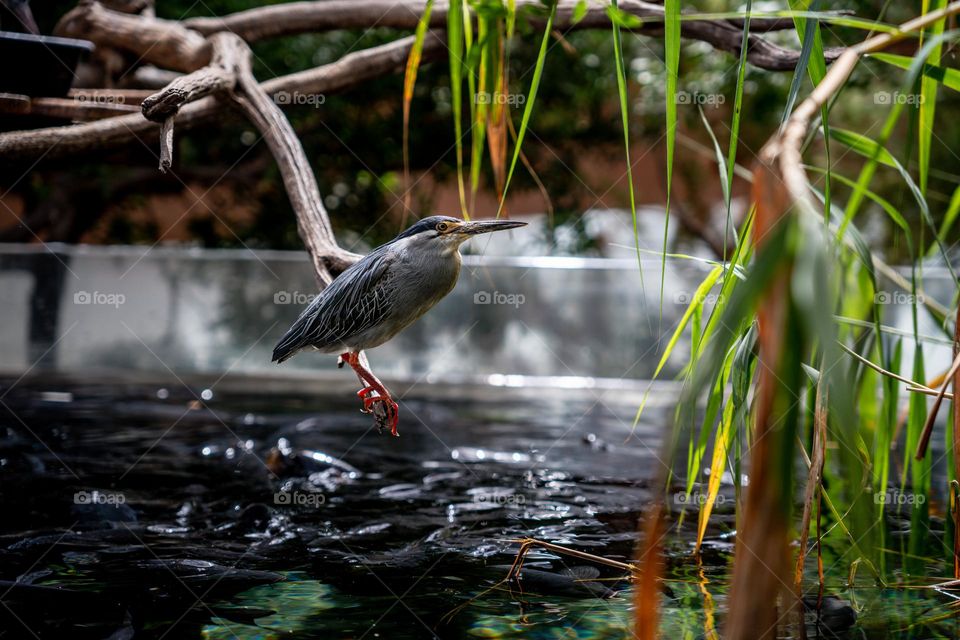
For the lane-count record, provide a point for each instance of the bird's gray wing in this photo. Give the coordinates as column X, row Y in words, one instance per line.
column 354, row 302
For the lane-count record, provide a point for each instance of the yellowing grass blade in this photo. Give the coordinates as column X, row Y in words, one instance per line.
column 531, row 99
column 721, row 445
column 409, row 81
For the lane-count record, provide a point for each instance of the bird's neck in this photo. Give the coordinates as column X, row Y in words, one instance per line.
column 452, row 252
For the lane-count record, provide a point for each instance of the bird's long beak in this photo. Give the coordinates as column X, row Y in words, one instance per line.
column 486, row 226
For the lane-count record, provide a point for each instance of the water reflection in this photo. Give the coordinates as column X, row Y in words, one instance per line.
column 263, row 515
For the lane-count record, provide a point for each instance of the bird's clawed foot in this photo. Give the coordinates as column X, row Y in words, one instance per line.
column 376, row 399
column 385, row 411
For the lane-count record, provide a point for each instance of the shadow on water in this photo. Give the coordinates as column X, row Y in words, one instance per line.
column 136, row 510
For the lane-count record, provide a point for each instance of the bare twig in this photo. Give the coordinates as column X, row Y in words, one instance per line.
column 948, row 379
column 526, row 544
column 911, row 384
column 166, row 144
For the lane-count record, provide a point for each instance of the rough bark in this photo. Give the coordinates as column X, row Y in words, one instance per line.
column 301, row 185
column 218, row 76
column 25, row 147
column 165, row 43
column 301, row 17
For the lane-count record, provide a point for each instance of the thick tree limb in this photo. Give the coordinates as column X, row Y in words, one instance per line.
column 178, row 45
column 351, row 70
column 301, row 185
column 119, row 96
column 301, row 17
column 78, row 109
column 162, row 42
column 218, row 76
column 230, row 69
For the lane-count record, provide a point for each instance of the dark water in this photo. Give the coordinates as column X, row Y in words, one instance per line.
column 138, row 511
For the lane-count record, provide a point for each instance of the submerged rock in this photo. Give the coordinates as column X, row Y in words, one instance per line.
column 573, row 582
column 832, row 613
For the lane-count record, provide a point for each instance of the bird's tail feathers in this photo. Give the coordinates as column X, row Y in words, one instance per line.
column 289, row 345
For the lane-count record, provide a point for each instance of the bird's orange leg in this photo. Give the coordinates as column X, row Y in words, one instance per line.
column 373, row 386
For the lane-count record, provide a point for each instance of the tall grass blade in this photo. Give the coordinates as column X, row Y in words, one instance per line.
column 801, row 70
column 625, row 123
column 696, row 305
column 875, row 153
column 868, row 170
column 734, row 414
column 721, row 161
column 813, row 489
column 946, row 76
column 919, row 471
column 953, row 449
column 409, row 81
column 953, row 209
column 884, row 439
column 455, row 45
column 531, row 99
column 497, row 119
column 928, row 96
column 671, row 43
column 484, row 55
column 735, row 126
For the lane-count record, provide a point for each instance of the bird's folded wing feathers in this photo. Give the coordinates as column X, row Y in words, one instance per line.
column 355, row 301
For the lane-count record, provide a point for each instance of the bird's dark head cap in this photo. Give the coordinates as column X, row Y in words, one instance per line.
column 454, row 227
column 439, row 224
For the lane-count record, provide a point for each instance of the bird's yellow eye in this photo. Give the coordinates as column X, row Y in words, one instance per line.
column 443, row 226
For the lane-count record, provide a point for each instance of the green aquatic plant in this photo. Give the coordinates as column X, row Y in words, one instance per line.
column 792, row 378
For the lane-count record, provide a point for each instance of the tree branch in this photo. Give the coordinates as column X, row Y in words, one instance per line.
column 165, row 43
column 298, row 178
column 218, row 76
column 301, row 17
column 112, row 133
